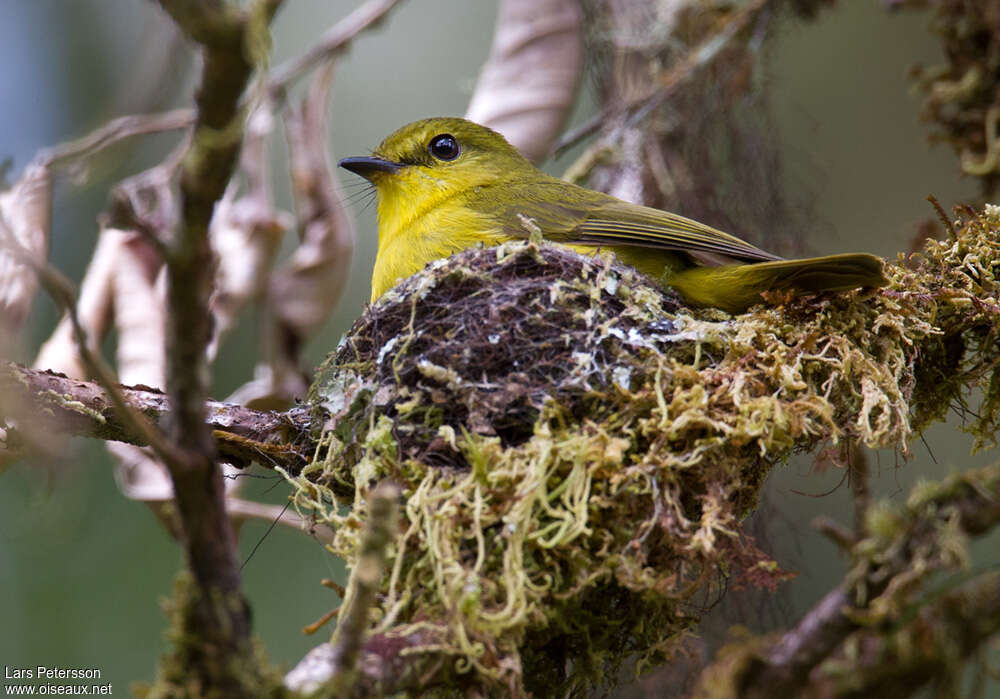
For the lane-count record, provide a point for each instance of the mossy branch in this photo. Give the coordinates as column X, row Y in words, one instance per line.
column 863, row 622
column 929, row 651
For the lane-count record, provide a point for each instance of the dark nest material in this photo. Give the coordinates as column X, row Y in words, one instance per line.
column 577, row 449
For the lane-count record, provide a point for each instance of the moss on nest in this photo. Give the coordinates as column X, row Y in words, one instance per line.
column 577, row 449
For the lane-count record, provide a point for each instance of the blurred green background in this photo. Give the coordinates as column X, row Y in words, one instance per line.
column 83, row 569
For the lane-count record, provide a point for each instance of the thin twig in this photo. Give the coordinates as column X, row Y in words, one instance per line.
column 696, row 59
column 146, row 203
column 121, row 128
column 835, row 532
column 114, row 131
column 363, row 586
column 242, row 510
column 333, row 667
column 332, row 42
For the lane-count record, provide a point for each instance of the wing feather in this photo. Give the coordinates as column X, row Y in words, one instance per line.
column 573, row 215
column 619, row 223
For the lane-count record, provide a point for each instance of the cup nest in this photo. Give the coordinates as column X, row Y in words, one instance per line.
column 577, row 449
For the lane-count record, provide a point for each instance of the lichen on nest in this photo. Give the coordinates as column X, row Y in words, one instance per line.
column 577, row 448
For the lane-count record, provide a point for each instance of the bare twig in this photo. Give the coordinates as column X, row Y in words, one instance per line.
column 61, row 290
column 244, row 510
column 682, row 72
column 94, row 306
column 363, row 585
column 146, row 202
column 335, row 668
column 214, row 15
column 120, row 283
column 213, row 26
column 330, row 44
column 835, row 532
column 114, row 131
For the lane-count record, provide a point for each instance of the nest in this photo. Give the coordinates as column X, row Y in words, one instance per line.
column 577, row 449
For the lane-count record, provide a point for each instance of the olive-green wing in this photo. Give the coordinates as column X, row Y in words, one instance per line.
column 569, row 214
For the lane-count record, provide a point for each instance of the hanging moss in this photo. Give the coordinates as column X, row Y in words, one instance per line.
column 961, row 92
column 577, row 449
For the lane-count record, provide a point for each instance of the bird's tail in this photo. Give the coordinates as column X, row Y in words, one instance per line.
column 734, row 288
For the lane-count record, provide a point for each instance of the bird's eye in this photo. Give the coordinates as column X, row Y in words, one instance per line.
column 444, row 147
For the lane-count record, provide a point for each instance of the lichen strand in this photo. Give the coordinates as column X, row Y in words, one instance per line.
column 577, row 449
column 961, row 93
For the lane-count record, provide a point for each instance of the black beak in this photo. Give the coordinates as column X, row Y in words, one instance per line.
column 366, row 167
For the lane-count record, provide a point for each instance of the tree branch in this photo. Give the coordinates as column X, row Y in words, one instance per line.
column 363, row 586
column 944, row 635
column 85, row 409
column 883, row 576
column 116, row 130
column 64, row 295
column 222, row 657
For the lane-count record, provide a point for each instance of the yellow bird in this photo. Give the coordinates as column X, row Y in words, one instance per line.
column 446, row 184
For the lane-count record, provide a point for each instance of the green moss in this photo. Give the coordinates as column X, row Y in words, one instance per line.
column 193, row 667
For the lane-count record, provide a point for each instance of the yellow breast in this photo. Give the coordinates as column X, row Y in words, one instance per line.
column 416, row 230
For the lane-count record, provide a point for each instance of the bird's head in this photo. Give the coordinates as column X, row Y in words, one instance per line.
column 430, row 160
